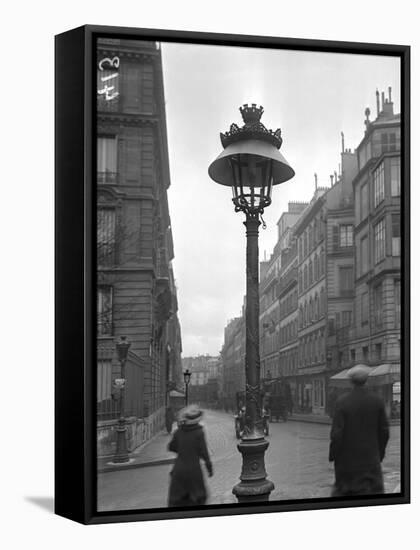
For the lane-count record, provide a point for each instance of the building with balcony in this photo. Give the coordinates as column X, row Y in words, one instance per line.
column 233, row 362
column 136, row 293
column 276, row 328
column 376, row 333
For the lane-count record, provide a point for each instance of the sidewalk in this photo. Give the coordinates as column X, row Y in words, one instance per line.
column 151, row 453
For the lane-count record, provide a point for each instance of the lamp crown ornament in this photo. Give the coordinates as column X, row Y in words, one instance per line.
column 253, row 128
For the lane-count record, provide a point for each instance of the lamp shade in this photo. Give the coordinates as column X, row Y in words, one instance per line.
column 254, row 150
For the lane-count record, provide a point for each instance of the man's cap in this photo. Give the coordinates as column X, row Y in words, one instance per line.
column 358, row 374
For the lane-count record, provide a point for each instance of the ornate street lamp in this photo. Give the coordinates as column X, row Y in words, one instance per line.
column 121, row 454
column 187, row 378
column 251, row 164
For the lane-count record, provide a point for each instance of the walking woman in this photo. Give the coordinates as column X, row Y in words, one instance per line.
column 187, row 487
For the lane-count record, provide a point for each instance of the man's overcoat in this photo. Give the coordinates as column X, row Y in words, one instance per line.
column 359, row 434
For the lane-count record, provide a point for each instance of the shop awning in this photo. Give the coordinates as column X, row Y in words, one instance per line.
column 388, row 373
column 175, row 393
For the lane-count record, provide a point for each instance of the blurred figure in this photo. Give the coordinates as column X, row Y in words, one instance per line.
column 359, row 435
column 187, row 487
column 169, row 419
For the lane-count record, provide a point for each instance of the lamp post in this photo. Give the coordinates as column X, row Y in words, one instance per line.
column 121, row 454
column 187, row 378
column 251, row 164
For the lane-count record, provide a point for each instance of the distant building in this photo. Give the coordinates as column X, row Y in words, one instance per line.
column 135, row 281
column 205, row 379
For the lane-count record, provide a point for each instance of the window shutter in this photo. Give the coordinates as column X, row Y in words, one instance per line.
column 335, row 237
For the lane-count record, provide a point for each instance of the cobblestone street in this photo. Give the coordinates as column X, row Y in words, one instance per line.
column 296, row 461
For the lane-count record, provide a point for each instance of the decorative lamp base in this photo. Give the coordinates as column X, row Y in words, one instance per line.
column 254, row 485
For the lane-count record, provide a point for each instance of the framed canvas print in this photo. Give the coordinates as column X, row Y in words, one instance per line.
column 232, row 259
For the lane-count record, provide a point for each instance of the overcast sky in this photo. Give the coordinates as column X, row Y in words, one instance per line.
column 312, row 97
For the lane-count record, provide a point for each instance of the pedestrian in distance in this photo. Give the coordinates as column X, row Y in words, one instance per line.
column 169, row 419
column 187, row 487
column 358, row 439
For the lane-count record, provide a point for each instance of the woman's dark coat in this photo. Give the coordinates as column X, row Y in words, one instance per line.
column 187, row 486
column 359, row 434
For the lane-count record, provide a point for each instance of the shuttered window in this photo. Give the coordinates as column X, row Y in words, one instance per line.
column 379, row 235
column 395, row 177
column 104, row 310
column 106, row 236
column 346, row 236
column 346, row 280
column 396, row 235
column 379, row 184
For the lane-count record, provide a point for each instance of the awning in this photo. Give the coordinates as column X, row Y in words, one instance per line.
column 388, row 373
column 175, row 393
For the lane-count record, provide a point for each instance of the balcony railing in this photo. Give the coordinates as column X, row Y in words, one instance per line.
column 287, row 279
column 107, row 178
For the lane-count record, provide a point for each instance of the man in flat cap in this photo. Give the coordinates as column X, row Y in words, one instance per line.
column 359, row 434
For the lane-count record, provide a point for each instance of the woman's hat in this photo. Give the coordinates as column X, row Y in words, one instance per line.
column 358, row 374
column 190, row 415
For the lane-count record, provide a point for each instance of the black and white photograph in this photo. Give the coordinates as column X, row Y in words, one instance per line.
column 249, row 252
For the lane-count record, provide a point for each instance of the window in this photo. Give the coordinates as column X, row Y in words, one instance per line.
column 352, row 355
column 396, row 235
column 322, row 262
column 365, row 354
column 107, row 159
column 323, row 305
column 384, row 143
column 379, row 236
column 305, row 277
column 104, row 310
column 397, row 302
column 378, row 306
column 346, row 318
column 346, row 236
column 364, row 258
column 364, row 307
column 305, row 243
column 378, row 352
column 346, row 280
column 379, row 185
column 316, row 312
column 364, row 201
column 316, row 267
column 106, row 236
column 300, row 281
column 395, row 177
column 311, row 273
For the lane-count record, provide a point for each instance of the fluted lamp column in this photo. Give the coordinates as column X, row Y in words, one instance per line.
column 121, row 454
column 251, row 164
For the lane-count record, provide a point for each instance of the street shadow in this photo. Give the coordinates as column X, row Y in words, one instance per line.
column 46, row 503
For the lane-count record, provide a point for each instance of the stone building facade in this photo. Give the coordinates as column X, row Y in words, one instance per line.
column 136, row 294
column 376, row 334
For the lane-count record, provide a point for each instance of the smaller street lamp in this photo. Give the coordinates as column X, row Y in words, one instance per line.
column 121, row 454
column 187, row 378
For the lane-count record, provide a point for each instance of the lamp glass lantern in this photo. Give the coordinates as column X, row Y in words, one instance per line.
column 251, row 162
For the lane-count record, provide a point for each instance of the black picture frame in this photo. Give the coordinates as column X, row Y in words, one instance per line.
column 75, row 297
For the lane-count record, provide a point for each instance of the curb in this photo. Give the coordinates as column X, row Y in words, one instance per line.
column 119, row 467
